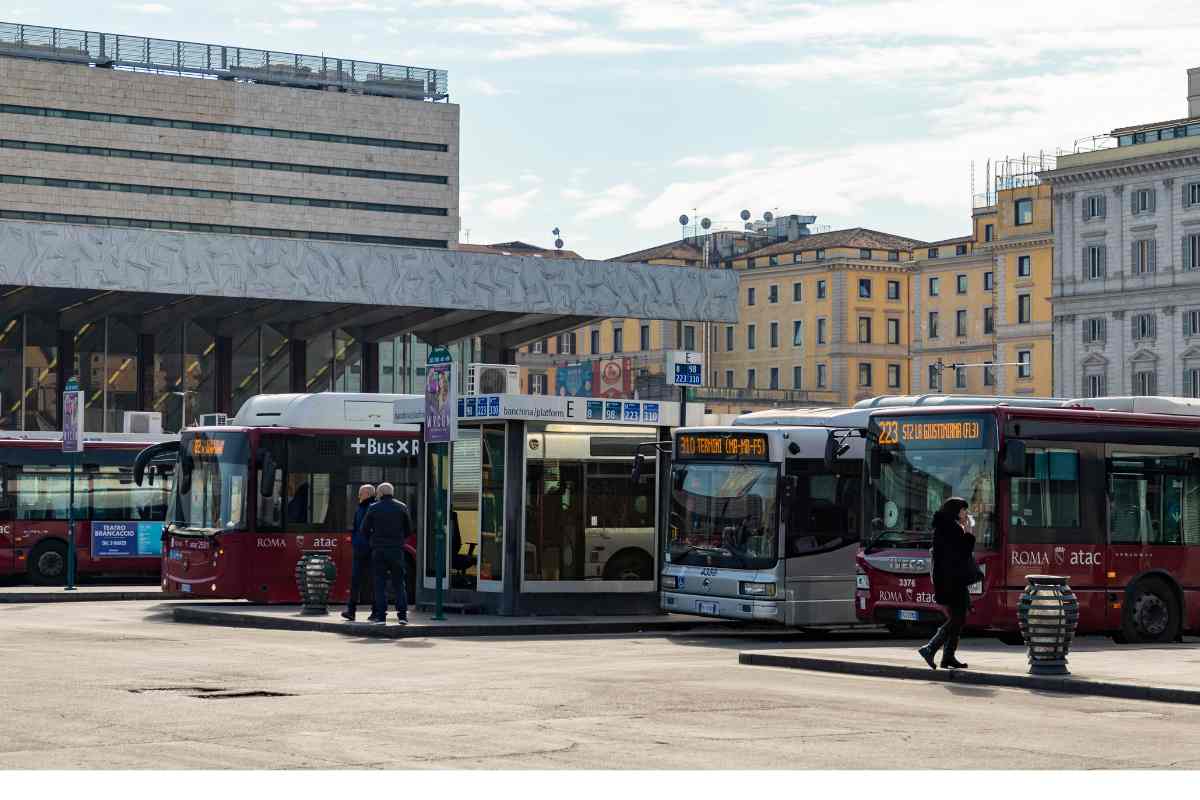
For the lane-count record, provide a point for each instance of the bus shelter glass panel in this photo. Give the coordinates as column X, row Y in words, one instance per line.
column 200, row 361
column 276, row 362
column 121, row 374
column 41, row 375
column 585, row 518
column 464, row 509
column 10, row 373
column 491, row 505
column 246, row 367
column 168, row 376
column 89, row 369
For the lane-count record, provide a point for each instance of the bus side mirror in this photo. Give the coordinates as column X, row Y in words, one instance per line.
column 1012, row 461
column 680, row 475
column 266, row 475
column 878, row 459
column 833, row 450
column 791, row 487
column 636, row 475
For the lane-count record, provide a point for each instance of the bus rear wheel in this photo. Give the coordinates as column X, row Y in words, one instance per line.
column 48, row 564
column 1151, row 613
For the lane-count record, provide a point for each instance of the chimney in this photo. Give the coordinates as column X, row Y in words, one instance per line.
column 1194, row 92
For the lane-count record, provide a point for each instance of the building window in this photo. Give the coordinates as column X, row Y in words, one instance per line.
column 1191, row 194
column 1191, row 251
column 566, row 344
column 893, row 255
column 864, row 288
column 1097, row 386
column 988, row 230
column 1093, row 330
column 774, row 334
column 820, row 376
column 864, row 330
column 893, row 290
column 751, row 337
column 960, row 284
column 893, row 376
column 932, row 252
column 821, row 290
column 797, row 333
column 960, row 323
column 1191, row 382
column 1141, row 201
column 1094, row 256
column 864, row 374
column 988, row 282
column 893, row 331
column 750, row 263
column 618, row 339
column 538, row 347
column 729, row 378
column 774, row 377
column 933, row 377
column 821, row 325
column 820, row 254
column 1024, row 308
column 537, row 383
column 1023, row 211
column 960, row 249
column 751, row 378
column 644, row 337
column 750, row 296
column 1023, row 270
column 1145, row 383
column 932, row 331
column 989, row 374
column 864, row 253
column 960, row 378
column 1093, row 207
column 773, row 293
column 1024, row 364
column 933, row 287
column 989, row 320
column 1143, row 326
column 773, row 261
column 797, row 292
column 797, row 374
column 1191, row 323
column 689, row 337
column 595, row 336
column 795, row 258
column 728, row 338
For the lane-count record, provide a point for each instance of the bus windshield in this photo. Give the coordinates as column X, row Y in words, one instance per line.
column 724, row 515
column 920, row 462
column 211, row 492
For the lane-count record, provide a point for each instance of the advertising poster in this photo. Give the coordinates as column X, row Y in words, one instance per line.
column 441, row 403
column 612, row 378
column 126, row 539
column 574, row 380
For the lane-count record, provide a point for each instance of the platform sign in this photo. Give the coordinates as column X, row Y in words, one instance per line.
column 685, row 368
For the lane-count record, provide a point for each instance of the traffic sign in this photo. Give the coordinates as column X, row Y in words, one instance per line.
column 685, row 368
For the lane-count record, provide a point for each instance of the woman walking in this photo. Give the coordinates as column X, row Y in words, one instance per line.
column 954, row 569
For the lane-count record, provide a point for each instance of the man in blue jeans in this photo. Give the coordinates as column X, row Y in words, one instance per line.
column 360, row 566
column 387, row 526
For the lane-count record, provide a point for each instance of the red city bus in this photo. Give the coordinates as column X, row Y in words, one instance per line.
column 1106, row 494
column 118, row 525
column 282, row 479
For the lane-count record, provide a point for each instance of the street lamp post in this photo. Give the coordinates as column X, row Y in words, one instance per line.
column 182, row 394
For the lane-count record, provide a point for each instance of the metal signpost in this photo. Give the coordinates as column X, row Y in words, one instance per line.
column 441, row 426
column 685, row 369
column 72, row 443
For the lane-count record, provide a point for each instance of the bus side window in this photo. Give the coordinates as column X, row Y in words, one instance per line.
column 270, row 508
column 7, row 494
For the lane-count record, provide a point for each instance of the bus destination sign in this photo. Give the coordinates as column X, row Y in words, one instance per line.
column 207, row 447
column 931, row 432
column 726, row 446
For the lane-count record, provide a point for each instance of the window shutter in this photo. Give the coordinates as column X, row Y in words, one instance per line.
column 1103, row 253
column 1153, row 383
column 1152, row 321
column 1153, row 195
column 1133, row 326
column 1133, row 258
column 1103, row 332
column 1133, row 203
column 1187, row 252
column 1150, row 254
column 1103, row 205
column 1086, row 330
column 1087, row 267
column 1087, row 209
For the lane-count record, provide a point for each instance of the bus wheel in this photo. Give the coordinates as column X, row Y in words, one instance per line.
column 48, row 564
column 1151, row 613
column 629, row 566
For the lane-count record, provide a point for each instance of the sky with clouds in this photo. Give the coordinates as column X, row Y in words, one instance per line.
column 610, row 118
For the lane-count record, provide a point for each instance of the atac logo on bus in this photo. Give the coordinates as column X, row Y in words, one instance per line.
column 367, row 446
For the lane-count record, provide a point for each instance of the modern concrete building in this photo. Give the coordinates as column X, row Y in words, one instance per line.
column 186, row 225
column 1126, row 291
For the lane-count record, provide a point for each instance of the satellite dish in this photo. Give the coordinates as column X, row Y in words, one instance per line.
column 768, row 216
column 745, row 215
column 683, row 219
column 558, row 243
column 706, row 223
column 555, row 231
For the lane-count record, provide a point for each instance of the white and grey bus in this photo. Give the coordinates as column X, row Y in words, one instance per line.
column 759, row 528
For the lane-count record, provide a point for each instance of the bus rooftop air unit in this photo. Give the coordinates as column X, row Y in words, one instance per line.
column 142, row 422
column 209, row 420
column 494, row 379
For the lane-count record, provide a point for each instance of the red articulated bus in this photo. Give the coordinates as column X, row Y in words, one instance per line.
column 1107, row 494
column 281, row 479
column 118, row 525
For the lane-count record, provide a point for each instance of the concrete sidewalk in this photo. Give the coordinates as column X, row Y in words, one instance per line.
column 421, row 623
column 91, row 592
column 1165, row 673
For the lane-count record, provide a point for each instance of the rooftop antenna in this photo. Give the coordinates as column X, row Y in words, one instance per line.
column 558, row 242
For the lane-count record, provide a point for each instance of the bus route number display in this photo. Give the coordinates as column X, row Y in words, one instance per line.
column 732, row 446
column 926, row 432
column 208, row 447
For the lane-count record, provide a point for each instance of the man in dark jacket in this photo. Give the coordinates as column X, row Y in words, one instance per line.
column 387, row 527
column 360, row 566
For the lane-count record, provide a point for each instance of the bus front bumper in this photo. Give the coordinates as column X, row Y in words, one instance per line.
column 725, row 607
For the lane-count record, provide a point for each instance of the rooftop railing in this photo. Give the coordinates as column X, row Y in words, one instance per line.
column 173, row 57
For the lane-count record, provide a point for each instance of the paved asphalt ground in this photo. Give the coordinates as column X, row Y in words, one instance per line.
column 118, row 685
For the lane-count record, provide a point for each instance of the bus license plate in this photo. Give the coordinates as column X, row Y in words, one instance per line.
column 909, row 615
column 706, row 608
column 185, row 587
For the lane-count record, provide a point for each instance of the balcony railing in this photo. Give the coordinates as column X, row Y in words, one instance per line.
column 144, row 54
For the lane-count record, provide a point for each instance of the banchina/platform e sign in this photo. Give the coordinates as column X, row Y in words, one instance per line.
column 540, row 408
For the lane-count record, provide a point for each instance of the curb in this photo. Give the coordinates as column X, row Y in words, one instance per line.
column 1065, row 685
column 78, row 597
column 226, row 619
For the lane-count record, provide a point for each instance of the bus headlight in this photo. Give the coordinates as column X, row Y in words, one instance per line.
column 670, row 582
column 861, row 581
column 755, row 589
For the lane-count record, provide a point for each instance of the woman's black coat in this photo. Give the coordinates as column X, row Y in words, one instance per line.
column 954, row 567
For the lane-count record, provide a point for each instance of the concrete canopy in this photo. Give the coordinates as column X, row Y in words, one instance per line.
column 227, row 282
